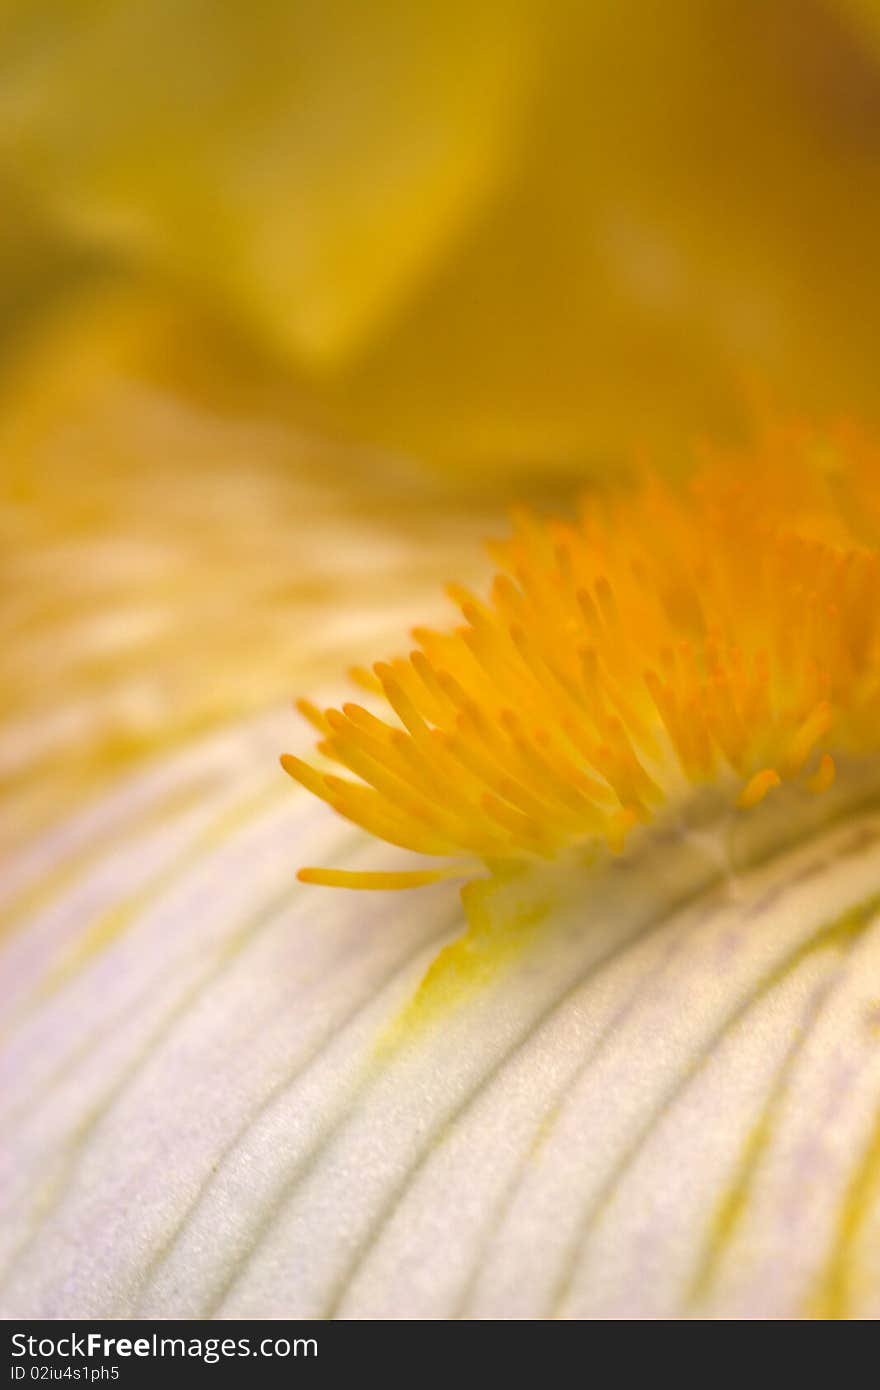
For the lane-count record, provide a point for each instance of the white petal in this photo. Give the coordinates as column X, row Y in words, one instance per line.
column 650, row 1111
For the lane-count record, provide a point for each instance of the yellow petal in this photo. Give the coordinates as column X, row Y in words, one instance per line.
column 694, row 211
column 505, row 236
column 306, row 164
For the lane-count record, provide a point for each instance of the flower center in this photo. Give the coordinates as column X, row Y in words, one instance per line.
column 722, row 634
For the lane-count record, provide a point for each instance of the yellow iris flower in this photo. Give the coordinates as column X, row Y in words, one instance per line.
column 295, row 301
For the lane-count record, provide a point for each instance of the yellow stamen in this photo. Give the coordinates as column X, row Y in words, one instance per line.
column 757, row 788
column 313, row 715
column 824, row 775
column 817, row 723
column 664, row 639
column 378, row 882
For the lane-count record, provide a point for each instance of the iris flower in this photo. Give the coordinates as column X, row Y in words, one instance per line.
column 548, row 986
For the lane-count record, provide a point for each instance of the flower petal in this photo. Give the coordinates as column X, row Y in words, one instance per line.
column 664, row 1105
column 306, row 164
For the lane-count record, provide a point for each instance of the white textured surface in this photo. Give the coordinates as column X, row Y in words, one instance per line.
column 641, row 1117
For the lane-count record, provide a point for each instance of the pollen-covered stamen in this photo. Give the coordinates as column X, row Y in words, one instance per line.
column 724, row 634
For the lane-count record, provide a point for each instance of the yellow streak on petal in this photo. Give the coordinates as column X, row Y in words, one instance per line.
column 109, row 925
column 834, row 1297
column 493, row 940
column 32, row 898
column 734, row 1201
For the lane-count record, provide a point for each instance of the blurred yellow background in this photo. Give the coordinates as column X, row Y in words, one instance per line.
column 516, row 234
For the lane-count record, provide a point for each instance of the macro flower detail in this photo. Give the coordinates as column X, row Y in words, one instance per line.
column 637, row 1076
column 670, row 647
column 297, row 303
